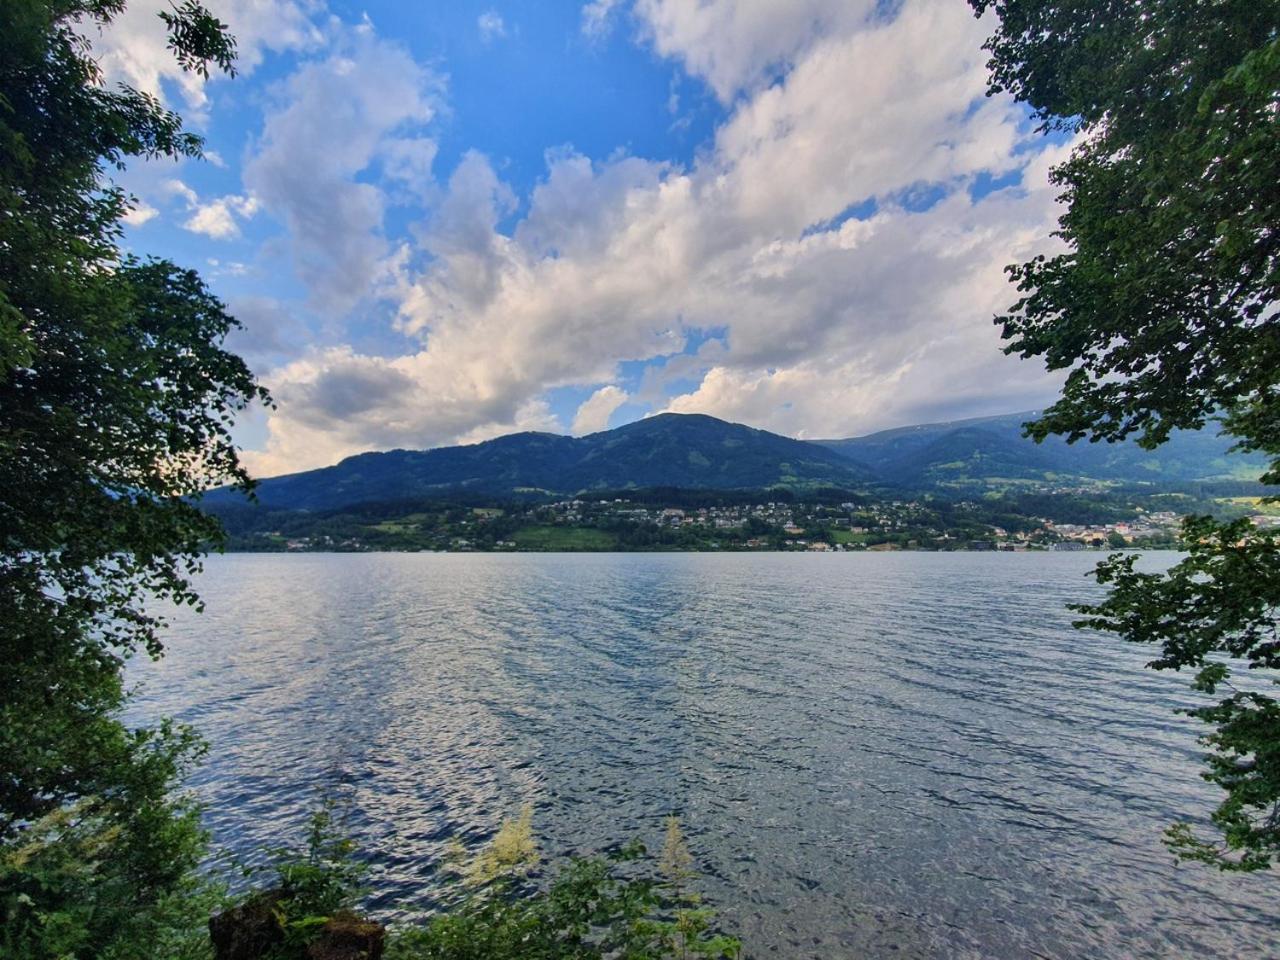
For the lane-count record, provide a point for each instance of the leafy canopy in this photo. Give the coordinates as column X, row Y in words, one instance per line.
column 1162, row 310
column 116, row 400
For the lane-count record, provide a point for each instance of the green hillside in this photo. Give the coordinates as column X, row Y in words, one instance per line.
column 993, row 448
column 669, row 450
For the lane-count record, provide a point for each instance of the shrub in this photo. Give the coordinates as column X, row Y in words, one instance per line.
column 622, row 905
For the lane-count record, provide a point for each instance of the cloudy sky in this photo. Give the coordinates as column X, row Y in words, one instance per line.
column 444, row 222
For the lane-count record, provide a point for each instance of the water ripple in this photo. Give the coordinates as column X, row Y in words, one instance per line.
column 907, row 755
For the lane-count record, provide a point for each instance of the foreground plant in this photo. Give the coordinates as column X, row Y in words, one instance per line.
column 497, row 906
column 300, row 899
column 115, row 406
column 66, row 880
column 1222, row 601
column 1164, row 311
column 592, row 908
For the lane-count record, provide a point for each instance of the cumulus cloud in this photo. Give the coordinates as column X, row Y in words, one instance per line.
column 218, row 218
column 340, row 402
column 332, row 120
column 139, row 213
column 491, row 25
column 407, row 162
column 596, row 410
column 840, row 301
column 739, row 44
column 133, row 49
column 176, row 188
column 269, row 331
column 213, row 220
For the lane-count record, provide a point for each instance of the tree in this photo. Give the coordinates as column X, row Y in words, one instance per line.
column 116, row 401
column 1162, row 309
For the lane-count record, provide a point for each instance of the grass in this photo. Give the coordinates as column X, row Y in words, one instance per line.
column 846, row 536
column 406, row 524
column 564, row 538
column 1254, row 505
column 394, row 526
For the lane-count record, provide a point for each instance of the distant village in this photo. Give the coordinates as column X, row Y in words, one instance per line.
column 622, row 524
column 850, row 526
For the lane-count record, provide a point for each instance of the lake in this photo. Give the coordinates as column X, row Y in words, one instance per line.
column 873, row 755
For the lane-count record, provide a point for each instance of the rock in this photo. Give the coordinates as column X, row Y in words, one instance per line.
column 348, row 937
column 249, row 931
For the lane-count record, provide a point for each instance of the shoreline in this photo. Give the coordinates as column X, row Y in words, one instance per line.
column 508, row 552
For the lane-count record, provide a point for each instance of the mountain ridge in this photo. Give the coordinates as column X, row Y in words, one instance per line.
column 699, row 451
column 967, row 451
column 666, row 450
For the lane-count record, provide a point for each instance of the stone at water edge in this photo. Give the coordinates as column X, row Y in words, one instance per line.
column 348, row 937
column 249, row 931
column 252, row 931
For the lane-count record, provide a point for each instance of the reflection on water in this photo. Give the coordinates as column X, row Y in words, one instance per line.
column 906, row 755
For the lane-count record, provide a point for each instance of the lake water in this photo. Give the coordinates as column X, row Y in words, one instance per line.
column 889, row 755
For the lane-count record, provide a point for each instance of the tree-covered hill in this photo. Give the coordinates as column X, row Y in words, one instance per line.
column 692, row 451
column 669, row 450
column 970, row 451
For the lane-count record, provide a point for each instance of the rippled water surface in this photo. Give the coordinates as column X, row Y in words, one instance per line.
column 892, row 755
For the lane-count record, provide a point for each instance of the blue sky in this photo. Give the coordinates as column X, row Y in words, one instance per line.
column 444, row 222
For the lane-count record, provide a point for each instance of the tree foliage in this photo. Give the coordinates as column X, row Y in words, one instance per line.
column 1162, row 310
column 116, row 401
column 500, row 904
column 591, row 907
column 1222, row 601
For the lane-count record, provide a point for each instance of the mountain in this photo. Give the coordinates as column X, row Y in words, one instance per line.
column 696, row 451
column 993, row 448
column 668, row 450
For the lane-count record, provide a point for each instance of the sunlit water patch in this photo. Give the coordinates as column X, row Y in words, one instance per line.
column 906, row 755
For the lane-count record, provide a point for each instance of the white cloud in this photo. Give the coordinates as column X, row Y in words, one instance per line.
column 408, row 161
column 491, row 25
column 594, row 413
column 268, row 328
column 176, row 188
column 218, row 218
column 739, row 44
column 341, row 402
column 140, row 213
column 597, row 17
column 213, row 220
column 332, row 120
column 228, row 268
column 831, row 325
column 133, row 47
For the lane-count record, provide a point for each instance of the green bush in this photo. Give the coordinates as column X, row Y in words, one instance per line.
column 593, row 907
column 625, row 905
column 92, row 881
